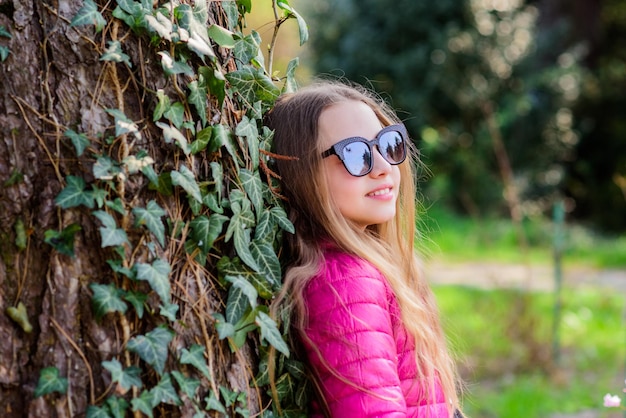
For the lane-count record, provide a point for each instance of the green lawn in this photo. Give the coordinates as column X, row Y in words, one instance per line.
column 504, row 339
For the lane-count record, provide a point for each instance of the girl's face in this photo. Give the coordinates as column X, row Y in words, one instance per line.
column 366, row 200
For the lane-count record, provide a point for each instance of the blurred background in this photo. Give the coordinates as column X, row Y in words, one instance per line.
column 518, row 109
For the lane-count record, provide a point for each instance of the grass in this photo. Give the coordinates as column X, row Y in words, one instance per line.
column 504, row 339
column 452, row 237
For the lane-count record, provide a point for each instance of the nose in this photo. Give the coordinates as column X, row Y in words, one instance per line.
column 380, row 166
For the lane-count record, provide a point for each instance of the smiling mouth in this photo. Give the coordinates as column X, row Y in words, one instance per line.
column 380, row 192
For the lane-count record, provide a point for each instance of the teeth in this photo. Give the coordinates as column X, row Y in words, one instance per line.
column 380, row 192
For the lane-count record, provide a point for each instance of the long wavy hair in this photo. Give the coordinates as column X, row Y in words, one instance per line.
column 388, row 246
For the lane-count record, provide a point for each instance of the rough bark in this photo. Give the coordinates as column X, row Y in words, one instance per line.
column 51, row 81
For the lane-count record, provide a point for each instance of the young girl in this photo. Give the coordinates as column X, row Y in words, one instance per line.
column 361, row 307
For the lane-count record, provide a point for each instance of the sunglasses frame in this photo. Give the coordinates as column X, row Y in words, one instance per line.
column 337, row 149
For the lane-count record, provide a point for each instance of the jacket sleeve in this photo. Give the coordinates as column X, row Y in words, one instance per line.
column 352, row 347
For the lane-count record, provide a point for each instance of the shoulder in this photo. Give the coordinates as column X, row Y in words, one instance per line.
column 346, row 279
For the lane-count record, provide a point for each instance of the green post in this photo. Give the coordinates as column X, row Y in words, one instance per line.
column 558, row 216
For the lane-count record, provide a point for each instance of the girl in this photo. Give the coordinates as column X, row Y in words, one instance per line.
column 361, row 307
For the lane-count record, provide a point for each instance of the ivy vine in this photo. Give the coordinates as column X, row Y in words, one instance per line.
column 236, row 218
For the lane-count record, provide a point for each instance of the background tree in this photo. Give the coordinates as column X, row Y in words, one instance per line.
column 470, row 75
column 139, row 231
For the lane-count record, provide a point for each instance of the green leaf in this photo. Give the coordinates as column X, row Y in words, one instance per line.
column 110, row 234
column 4, row 53
column 267, row 261
column 222, row 136
column 164, row 391
column 97, row 412
column 50, row 382
column 241, row 295
column 62, row 241
column 198, row 97
column 291, row 13
column 105, row 168
column 248, row 49
column 215, row 82
column 152, row 347
column 203, row 138
column 80, row 141
column 291, row 85
column 114, row 53
column 117, row 406
column 280, row 216
column 205, row 230
column 163, row 104
column 20, row 316
column 247, row 128
column 144, row 403
column 196, row 357
column 137, row 299
column 253, row 85
column 187, row 385
column 126, row 378
column 270, row 333
column 175, row 113
column 151, row 218
column 213, row 404
column 89, row 15
column 169, row 311
column 107, row 298
column 222, row 36
column 157, row 274
column 254, row 188
column 74, row 194
column 224, row 329
column 4, row 33
column 117, row 205
column 186, row 179
column 195, row 21
column 123, row 125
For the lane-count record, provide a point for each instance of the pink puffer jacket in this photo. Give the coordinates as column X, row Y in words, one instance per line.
column 355, row 323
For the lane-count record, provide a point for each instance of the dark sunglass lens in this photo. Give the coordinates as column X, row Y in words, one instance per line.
column 357, row 158
column 391, row 147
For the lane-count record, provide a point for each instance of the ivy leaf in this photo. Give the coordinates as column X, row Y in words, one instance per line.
column 171, row 134
column 224, row 328
column 203, row 138
column 222, row 136
column 234, row 267
column 126, row 378
column 281, row 218
column 222, row 36
column 97, row 412
column 123, row 125
column 110, row 234
column 49, row 382
column 270, row 333
column 74, row 194
column 144, row 403
column 291, row 85
column 253, row 84
column 169, row 311
column 157, row 274
column 105, row 168
column 89, row 15
column 4, row 33
column 197, row 97
column 196, row 357
column 117, row 406
column 186, row 179
column 195, row 22
column 151, row 218
column 254, row 189
column 215, row 82
column 175, row 113
column 152, row 347
column 241, row 294
column 106, row 298
column 4, row 53
column 267, row 261
column 247, row 128
column 62, row 241
column 248, row 49
column 214, row 404
column 114, row 53
column 291, row 13
column 137, row 299
column 164, row 391
column 171, row 67
column 80, row 141
column 187, row 385
column 163, row 104
column 205, row 230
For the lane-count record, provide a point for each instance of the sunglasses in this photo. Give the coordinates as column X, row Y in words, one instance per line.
column 356, row 153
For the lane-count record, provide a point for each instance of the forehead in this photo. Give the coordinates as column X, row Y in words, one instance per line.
column 346, row 119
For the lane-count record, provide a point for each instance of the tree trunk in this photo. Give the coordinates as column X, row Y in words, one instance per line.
column 51, row 81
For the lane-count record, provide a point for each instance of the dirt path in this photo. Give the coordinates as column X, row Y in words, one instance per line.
column 533, row 277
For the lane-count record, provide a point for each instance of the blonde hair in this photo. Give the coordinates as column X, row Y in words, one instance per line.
column 388, row 246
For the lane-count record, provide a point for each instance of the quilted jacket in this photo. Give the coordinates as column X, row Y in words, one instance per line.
column 357, row 334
